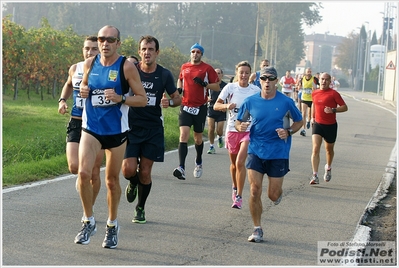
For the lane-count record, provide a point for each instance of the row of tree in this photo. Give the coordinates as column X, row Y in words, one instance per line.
column 226, row 30
column 42, row 54
column 39, row 58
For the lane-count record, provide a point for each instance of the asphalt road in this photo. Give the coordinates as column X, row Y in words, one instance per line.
column 192, row 223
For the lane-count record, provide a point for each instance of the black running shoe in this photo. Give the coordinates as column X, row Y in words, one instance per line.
column 131, row 192
column 111, row 237
column 139, row 216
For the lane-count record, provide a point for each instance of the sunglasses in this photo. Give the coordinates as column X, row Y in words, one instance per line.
column 109, row 39
column 270, row 78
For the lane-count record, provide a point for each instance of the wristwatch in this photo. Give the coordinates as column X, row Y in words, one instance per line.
column 61, row 99
column 334, row 110
column 171, row 102
column 290, row 131
column 123, row 99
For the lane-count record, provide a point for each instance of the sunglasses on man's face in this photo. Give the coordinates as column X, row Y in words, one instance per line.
column 109, row 39
column 270, row 78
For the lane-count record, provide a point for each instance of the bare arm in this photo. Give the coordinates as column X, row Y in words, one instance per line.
column 175, row 97
column 66, row 91
column 133, row 78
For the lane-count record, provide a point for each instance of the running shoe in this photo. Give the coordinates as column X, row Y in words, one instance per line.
column 314, row 180
column 256, row 236
column 237, row 202
column 139, row 216
column 303, row 132
column 131, row 192
column 220, row 142
column 327, row 174
column 197, row 171
column 179, row 173
column 83, row 237
column 233, row 194
column 278, row 200
column 111, row 237
column 307, row 124
column 211, row 150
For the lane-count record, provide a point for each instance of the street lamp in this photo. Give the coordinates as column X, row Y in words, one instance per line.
column 380, row 69
column 358, row 61
column 366, row 58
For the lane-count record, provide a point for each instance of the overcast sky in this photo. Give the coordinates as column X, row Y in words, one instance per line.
column 341, row 18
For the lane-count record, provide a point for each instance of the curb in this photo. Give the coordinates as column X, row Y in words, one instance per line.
column 362, row 232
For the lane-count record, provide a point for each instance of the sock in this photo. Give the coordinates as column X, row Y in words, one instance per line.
column 90, row 219
column 255, row 227
column 183, row 150
column 112, row 223
column 199, row 149
column 134, row 179
column 314, row 173
column 143, row 193
column 211, row 145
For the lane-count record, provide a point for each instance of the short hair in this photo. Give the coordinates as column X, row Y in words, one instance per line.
column 92, row 38
column 149, row 39
column 243, row 63
column 221, row 71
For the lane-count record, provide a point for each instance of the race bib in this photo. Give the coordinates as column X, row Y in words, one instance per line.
column 151, row 99
column 79, row 102
column 308, row 90
column 98, row 99
column 191, row 110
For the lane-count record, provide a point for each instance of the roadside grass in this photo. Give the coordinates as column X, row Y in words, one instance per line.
column 34, row 134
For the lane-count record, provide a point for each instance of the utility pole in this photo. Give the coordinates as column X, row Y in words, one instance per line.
column 256, row 38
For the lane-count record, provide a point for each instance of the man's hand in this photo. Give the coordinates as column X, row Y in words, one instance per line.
column 199, row 81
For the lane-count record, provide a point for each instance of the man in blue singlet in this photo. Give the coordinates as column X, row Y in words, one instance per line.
column 105, row 86
column 146, row 136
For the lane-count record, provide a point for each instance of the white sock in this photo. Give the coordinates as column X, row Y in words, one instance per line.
column 112, row 223
column 91, row 219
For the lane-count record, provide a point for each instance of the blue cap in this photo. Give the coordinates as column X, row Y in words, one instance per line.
column 199, row 47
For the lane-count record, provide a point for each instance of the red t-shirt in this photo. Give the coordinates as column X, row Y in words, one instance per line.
column 195, row 95
column 322, row 98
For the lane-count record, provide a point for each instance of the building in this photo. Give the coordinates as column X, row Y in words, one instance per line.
column 320, row 54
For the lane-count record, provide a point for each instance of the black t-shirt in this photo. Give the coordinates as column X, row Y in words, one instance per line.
column 155, row 84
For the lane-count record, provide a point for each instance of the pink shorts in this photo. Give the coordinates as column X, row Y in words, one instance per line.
column 234, row 139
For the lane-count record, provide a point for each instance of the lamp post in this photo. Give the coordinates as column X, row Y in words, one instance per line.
column 380, row 69
column 366, row 58
column 358, row 60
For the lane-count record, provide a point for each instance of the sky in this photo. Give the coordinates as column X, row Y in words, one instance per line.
column 341, row 18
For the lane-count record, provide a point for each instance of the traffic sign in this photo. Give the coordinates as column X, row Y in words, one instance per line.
column 390, row 66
